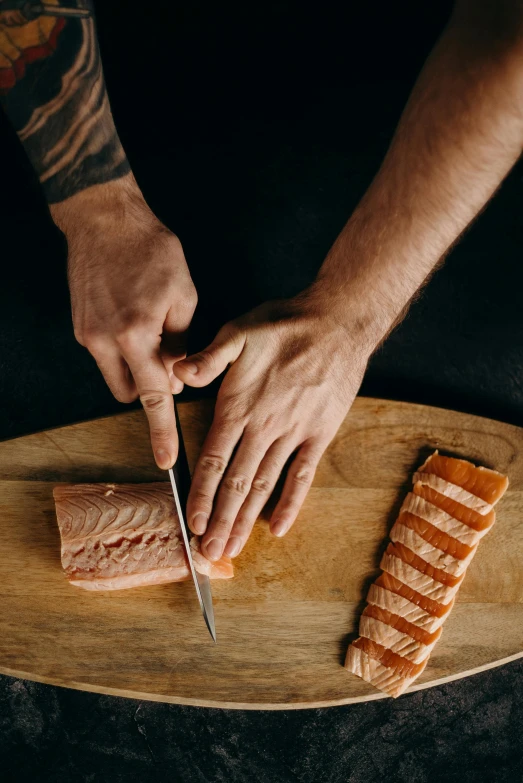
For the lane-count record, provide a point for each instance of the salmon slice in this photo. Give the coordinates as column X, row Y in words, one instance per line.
column 468, row 516
column 396, row 604
column 421, row 583
column 398, row 642
column 386, row 670
column 386, row 678
column 401, row 624
column 432, row 543
column 414, row 504
column 402, row 534
column 128, row 535
column 437, row 538
column 435, row 608
column 489, row 485
column 453, row 492
column 417, row 562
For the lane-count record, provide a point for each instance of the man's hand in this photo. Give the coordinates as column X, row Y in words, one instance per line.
column 294, row 373
column 132, row 299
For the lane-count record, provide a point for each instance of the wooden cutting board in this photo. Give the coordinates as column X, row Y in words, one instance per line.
column 284, row 621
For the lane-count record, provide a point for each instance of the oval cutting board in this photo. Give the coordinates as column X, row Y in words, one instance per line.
column 284, row 621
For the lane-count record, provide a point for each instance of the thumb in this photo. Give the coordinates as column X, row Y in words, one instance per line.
column 203, row 367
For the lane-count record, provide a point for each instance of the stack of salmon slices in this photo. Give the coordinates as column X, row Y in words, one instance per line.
column 432, row 543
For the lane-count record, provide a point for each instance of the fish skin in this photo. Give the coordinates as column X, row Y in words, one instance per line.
column 115, row 537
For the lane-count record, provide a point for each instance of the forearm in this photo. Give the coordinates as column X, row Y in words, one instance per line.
column 460, row 134
column 52, row 90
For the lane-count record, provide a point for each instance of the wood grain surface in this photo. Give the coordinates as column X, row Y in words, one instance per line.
column 285, row 620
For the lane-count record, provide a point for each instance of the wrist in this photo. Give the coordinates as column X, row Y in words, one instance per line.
column 367, row 279
column 101, row 207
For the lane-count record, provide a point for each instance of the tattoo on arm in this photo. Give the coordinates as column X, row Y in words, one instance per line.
column 53, row 91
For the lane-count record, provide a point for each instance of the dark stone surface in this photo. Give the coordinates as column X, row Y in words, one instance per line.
column 253, row 133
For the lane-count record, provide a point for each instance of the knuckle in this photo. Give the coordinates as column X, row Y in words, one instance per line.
column 261, row 485
column 213, row 464
column 155, row 402
column 230, row 409
column 236, row 485
column 304, row 474
column 190, row 301
column 91, row 339
column 130, row 339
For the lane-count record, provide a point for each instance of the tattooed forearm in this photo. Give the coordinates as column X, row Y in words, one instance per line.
column 53, row 91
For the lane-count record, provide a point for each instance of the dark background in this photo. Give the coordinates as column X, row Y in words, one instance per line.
column 253, row 131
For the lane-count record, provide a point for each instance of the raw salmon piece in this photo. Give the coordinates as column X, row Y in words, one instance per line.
column 420, row 581
column 417, row 562
column 396, row 604
column 433, row 541
column 436, row 537
column 398, row 642
column 489, row 485
column 127, row 535
column 435, row 608
column 468, row 516
column 386, row 678
column 401, row 624
column 414, row 504
column 402, row 534
column 453, row 492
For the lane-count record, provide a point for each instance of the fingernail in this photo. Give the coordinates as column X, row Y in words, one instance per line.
column 190, row 367
column 199, row 523
column 280, row 527
column 214, row 549
column 234, row 544
column 163, row 459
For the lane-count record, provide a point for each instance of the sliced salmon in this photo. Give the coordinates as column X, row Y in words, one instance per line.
column 397, row 604
column 390, row 679
column 406, row 535
column 435, row 608
column 401, row 624
column 432, row 543
column 116, row 536
column 468, row 516
column 484, row 483
column 453, row 492
column 436, row 537
column 417, row 505
column 385, row 669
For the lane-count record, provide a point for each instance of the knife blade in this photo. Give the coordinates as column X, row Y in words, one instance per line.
column 180, row 484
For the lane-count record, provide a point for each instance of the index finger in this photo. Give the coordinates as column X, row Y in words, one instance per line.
column 154, row 389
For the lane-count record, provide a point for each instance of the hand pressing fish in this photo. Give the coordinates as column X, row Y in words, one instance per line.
column 432, row 543
column 116, row 536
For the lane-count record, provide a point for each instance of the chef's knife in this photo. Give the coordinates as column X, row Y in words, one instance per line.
column 180, row 481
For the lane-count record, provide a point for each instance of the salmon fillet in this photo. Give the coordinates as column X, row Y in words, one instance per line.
column 432, row 543
column 116, row 536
